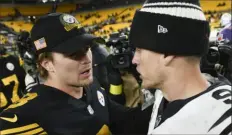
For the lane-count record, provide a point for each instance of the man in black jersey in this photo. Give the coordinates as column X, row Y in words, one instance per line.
column 12, row 77
column 70, row 101
column 170, row 38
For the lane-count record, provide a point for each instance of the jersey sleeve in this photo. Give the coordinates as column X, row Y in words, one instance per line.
column 20, row 117
column 15, row 122
column 223, row 124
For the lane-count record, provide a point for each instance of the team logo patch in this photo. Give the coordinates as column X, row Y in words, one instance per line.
column 69, row 22
column 90, row 109
column 101, row 98
column 10, row 66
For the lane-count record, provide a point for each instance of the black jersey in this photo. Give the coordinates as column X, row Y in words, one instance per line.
column 46, row 110
column 12, row 77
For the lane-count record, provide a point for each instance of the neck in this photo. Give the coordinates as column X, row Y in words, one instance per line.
column 183, row 84
column 73, row 91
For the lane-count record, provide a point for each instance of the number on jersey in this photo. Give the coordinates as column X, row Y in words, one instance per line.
column 15, row 97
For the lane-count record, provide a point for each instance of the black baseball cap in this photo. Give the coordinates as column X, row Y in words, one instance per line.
column 59, row 32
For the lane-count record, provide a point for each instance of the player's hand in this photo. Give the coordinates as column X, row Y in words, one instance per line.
column 114, row 77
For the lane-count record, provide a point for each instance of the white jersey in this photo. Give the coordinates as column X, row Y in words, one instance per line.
column 209, row 113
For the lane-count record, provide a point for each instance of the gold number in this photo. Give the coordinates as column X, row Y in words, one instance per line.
column 6, row 81
column 3, row 100
column 24, row 100
column 13, row 78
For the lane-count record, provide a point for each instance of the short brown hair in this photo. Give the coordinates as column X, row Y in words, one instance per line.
column 42, row 71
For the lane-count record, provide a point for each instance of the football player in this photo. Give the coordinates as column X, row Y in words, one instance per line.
column 12, row 77
column 170, row 39
column 70, row 101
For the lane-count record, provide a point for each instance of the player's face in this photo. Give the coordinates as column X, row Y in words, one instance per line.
column 149, row 66
column 75, row 69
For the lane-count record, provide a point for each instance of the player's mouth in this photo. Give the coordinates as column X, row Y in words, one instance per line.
column 140, row 75
column 86, row 73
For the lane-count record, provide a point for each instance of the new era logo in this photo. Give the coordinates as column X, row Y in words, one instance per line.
column 162, row 29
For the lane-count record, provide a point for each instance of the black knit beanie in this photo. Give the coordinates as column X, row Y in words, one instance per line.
column 175, row 27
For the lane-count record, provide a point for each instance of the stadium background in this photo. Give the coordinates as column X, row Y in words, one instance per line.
column 100, row 17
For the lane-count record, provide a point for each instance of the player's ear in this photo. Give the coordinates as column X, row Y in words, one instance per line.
column 48, row 65
column 167, row 59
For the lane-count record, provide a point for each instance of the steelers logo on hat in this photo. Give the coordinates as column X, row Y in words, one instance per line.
column 69, row 22
column 69, row 19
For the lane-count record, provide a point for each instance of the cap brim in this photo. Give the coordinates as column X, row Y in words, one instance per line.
column 76, row 43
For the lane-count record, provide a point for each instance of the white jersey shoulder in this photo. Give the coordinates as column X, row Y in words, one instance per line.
column 206, row 114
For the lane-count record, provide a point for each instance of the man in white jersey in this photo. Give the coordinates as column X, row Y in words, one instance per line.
column 170, row 39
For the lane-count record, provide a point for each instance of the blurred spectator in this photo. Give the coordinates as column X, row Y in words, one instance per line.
column 225, row 19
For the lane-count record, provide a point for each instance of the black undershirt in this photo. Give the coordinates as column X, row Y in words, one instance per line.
column 83, row 98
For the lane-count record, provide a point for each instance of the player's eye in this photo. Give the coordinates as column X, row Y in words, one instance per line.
column 79, row 54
